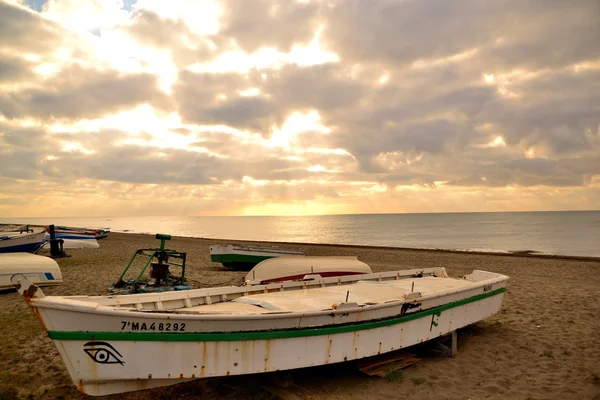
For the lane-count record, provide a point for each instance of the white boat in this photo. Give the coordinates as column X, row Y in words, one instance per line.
column 114, row 344
column 280, row 269
column 21, row 241
column 75, row 243
column 39, row 270
column 242, row 257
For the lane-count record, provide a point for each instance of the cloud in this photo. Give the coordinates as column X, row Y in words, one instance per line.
column 78, row 92
column 13, row 68
column 513, row 34
column 322, row 87
column 21, row 29
column 458, row 104
column 149, row 29
column 279, row 23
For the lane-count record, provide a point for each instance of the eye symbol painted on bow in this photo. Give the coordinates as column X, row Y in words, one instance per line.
column 102, row 353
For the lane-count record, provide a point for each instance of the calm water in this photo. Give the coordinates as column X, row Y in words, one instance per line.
column 566, row 233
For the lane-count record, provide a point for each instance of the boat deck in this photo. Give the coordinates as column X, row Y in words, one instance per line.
column 326, row 298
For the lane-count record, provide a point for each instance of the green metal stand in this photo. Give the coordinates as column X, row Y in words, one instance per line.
column 164, row 257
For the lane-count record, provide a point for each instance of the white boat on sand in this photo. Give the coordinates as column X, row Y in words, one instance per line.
column 279, row 269
column 75, row 243
column 113, row 344
column 42, row 271
column 242, row 257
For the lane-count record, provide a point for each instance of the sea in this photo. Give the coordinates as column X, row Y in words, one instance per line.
column 570, row 233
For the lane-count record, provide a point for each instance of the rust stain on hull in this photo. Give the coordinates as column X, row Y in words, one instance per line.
column 267, row 353
column 204, row 356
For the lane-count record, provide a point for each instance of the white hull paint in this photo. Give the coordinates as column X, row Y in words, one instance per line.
column 280, row 269
column 39, row 270
column 181, row 361
column 107, row 349
column 75, row 243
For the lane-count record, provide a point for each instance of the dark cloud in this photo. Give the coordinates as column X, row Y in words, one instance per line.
column 26, row 31
column 197, row 98
column 14, row 68
column 322, row 87
column 279, row 23
column 401, row 32
column 254, row 113
column 513, row 33
column 546, row 34
column 174, row 35
column 528, row 172
column 22, row 151
column 76, row 92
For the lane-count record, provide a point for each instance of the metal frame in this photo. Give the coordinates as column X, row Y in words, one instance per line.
column 163, row 255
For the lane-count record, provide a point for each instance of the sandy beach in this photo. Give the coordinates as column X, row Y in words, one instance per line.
column 545, row 343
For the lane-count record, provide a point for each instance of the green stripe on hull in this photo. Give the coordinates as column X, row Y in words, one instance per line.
column 261, row 335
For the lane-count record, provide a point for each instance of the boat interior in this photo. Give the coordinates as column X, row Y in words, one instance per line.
column 298, row 296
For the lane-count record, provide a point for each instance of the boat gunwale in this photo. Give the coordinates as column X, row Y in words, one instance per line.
column 99, row 309
column 271, row 287
column 308, row 331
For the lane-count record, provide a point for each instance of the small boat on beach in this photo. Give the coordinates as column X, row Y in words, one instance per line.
column 241, row 257
column 279, row 269
column 22, row 240
column 39, row 270
column 74, row 243
column 67, row 232
column 122, row 343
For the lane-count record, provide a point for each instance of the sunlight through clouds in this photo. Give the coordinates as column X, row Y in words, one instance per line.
column 294, row 125
column 277, row 107
column 269, row 57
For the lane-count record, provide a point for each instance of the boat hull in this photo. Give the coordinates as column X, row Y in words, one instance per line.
column 113, row 344
column 145, row 360
column 24, row 242
column 244, row 258
column 39, row 270
column 279, row 269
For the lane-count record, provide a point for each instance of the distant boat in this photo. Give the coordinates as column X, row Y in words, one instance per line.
column 279, row 269
column 241, row 257
column 115, row 344
column 27, row 240
column 42, row 271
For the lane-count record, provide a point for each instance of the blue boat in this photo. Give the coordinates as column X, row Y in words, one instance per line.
column 21, row 241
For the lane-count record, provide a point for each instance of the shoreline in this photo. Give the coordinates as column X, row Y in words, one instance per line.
column 524, row 253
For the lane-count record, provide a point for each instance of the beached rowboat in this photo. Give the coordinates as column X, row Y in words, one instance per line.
column 42, row 271
column 113, row 344
column 244, row 258
column 279, row 269
column 21, row 241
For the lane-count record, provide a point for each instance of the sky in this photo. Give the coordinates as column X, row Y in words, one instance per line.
column 289, row 107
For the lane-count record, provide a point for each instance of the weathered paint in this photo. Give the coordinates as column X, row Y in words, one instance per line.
column 223, row 345
column 276, row 354
column 262, row 335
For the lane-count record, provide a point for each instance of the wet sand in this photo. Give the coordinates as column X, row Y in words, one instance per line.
column 545, row 343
